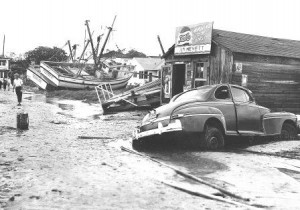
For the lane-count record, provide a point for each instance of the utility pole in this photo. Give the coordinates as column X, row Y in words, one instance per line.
column 161, row 47
column 92, row 45
column 102, row 49
column 3, row 46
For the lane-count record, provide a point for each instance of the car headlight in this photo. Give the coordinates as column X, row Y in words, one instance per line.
column 150, row 116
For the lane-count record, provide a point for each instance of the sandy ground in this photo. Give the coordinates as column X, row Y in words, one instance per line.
column 50, row 167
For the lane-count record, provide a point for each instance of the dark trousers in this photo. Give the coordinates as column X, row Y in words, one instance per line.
column 19, row 94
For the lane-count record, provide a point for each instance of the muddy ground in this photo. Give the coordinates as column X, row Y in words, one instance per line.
column 52, row 165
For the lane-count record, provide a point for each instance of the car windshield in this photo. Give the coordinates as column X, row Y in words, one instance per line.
column 198, row 94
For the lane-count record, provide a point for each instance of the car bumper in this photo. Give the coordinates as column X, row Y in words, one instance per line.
column 171, row 127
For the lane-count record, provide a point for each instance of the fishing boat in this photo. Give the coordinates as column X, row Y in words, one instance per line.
column 142, row 97
column 77, row 76
column 34, row 74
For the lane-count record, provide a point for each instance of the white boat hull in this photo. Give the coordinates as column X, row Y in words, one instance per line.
column 63, row 81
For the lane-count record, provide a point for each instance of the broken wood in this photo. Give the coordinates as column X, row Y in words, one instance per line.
column 188, row 175
column 94, row 137
column 205, row 195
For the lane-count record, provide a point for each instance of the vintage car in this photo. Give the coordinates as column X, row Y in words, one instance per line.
column 213, row 112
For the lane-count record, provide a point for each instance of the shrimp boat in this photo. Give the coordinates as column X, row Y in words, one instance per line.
column 76, row 76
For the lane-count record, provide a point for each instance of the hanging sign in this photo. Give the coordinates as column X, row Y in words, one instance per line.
column 193, row 39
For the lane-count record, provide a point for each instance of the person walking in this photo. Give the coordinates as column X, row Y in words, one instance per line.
column 12, row 79
column 4, row 83
column 1, row 83
column 8, row 84
column 18, row 83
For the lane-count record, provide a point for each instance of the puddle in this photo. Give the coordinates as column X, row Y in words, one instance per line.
column 11, row 130
column 77, row 109
column 70, row 108
column 7, row 129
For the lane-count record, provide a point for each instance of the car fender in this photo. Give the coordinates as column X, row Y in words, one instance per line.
column 272, row 122
column 194, row 117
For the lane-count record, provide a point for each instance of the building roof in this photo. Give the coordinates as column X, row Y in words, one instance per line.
column 253, row 44
column 259, row 45
column 150, row 63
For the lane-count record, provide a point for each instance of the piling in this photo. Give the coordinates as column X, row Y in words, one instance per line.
column 22, row 121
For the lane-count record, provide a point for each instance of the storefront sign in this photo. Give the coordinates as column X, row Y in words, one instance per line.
column 193, row 39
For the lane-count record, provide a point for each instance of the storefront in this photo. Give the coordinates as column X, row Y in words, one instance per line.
column 201, row 55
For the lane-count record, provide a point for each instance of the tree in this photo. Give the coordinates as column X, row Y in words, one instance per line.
column 133, row 53
column 46, row 54
column 130, row 54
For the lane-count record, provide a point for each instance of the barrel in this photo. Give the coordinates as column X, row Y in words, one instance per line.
column 22, row 121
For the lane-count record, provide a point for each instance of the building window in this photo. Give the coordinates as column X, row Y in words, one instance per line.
column 140, row 75
column 135, row 74
column 150, row 77
column 2, row 63
column 199, row 71
column 146, row 75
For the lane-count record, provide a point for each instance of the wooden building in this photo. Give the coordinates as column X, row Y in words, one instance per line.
column 269, row 67
column 4, row 67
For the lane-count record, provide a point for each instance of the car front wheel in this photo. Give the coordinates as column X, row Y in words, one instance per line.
column 213, row 138
column 288, row 132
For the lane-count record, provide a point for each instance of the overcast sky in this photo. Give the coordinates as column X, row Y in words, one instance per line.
column 31, row 23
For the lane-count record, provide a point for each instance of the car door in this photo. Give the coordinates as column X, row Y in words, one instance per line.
column 222, row 101
column 247, row 112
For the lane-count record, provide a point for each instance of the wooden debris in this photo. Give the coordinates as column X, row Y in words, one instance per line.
column 226, row 192
column 205, row 195
column 94, row 137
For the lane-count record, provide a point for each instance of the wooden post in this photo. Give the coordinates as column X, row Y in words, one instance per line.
column 22, row 121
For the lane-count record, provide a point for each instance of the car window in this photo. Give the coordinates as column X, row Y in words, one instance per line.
column 240, row 95
column 199, row 94
column 222, row 93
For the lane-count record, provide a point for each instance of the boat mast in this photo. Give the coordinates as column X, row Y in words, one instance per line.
column 98, row 42
column 161, row 47
column 91, row 40
column 102, row 49
column 82, row 54
column 70, row 49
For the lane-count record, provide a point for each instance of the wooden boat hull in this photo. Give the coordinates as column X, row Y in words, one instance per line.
column 144, row 97
column 40, row 80
column 72, row 82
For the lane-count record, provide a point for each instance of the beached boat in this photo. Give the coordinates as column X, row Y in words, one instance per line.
column 145, row 96
column 34, row 74
column 76, row 76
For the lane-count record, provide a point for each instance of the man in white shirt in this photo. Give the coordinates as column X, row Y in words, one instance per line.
column 18, row 87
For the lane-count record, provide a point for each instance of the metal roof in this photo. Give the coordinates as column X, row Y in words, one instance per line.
column 259, row 45
column 253, row 44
